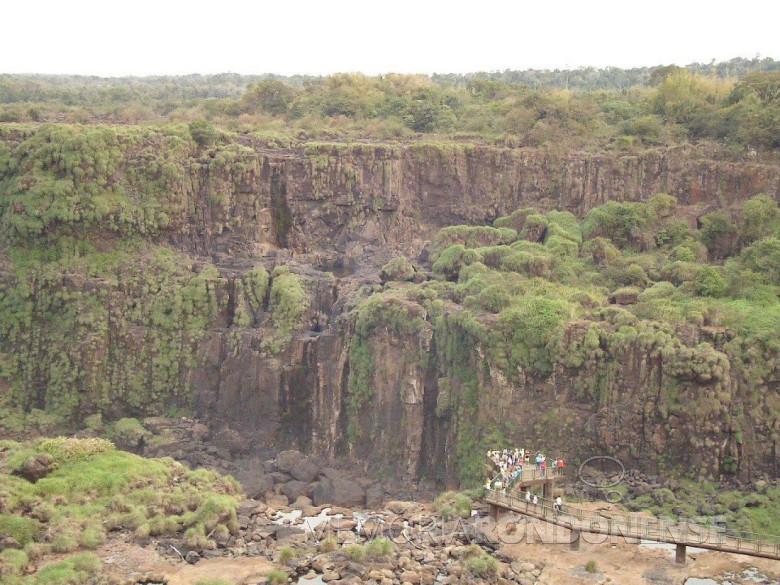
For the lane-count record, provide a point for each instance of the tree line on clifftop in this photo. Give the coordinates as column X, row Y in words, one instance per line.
column 736, row 102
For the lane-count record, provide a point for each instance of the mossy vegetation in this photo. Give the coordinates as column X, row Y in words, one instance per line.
column 288, row 303
column 453, row 504
column 93, row 489
column 550, row 296
column 750, row 513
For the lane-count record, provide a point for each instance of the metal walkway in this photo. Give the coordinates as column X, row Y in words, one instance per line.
column 682, row 534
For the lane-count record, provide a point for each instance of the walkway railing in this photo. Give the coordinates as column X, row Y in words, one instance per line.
column 532, row 473
column 642, row 527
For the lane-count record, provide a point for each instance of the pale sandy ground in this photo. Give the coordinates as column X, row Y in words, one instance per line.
column 126, row 560
column 622, row 562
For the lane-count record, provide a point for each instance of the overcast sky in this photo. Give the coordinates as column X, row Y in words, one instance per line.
column 143, row 37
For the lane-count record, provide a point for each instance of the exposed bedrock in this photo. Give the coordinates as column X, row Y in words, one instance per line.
column 333, row 214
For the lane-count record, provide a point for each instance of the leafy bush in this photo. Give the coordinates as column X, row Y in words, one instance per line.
column 128, row 433
column 452, row 259
column 622, row 223
column 763, row 258
column 601, row 251
column 203, row 133
column 709, row 282
column 397, row 269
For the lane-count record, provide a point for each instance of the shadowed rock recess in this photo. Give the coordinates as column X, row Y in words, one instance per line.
column 143, row 275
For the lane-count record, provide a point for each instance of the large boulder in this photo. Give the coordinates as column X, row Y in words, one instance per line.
column 338, row 492
column 286, row 460
column 232, row 441
column 36, row 466
column 306, row 470
column 255, row 481
column 375, row 495
column 293, row 489
column 400, row 507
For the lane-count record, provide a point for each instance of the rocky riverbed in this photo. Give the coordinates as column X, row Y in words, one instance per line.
column 409, row 542
column 309, row 520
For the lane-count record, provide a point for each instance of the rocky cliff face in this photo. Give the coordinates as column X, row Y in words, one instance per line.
column 347, row 202
column 403, row 400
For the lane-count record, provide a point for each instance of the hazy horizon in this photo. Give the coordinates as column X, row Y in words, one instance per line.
column 85, row 37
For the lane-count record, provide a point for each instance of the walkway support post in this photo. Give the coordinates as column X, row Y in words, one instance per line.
column 679, row 556
column 547, row 489
column 574, row 543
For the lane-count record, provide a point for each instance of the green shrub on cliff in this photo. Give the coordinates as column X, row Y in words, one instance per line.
column 255, row 286
column 128, row 433
column 67, row 180
column 397, row 269
column 452, row 259
column 379, row 313
column 289, row 301
column 523, row 314
column 203, row 132
column 528, row 334
column 622, row 223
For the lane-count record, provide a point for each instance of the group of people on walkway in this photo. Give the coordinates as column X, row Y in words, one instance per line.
column 534, row 499
column 510, row 464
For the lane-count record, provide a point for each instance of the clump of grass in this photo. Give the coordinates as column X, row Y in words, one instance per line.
column 286, row 554
column 64, row 543
column 91, row 538
column 591, row 566
column 355, row 552
column 482, row 565
column 453, row 505
column 16, row 559
column 378, row 548
column 276, row 577
column 74, row 570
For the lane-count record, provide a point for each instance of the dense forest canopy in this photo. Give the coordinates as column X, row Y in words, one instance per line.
column 734, row 101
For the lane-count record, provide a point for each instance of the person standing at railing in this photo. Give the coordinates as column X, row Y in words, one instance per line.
column 527, row 497
column 536, row 500
column 543, row 467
